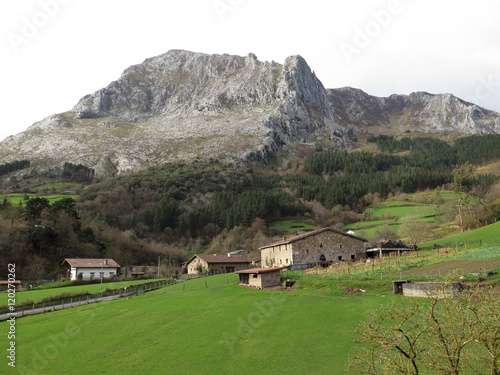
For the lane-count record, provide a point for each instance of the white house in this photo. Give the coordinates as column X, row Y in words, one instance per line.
column 91, row 268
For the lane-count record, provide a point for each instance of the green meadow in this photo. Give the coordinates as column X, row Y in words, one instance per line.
column 388, row 214
column 189, row 328
column 293, row 226
column 481, row 237
column 18, row 198
column 40, row 294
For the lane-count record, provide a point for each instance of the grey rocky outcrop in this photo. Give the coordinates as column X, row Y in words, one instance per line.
column 185, row 105
column 419, row 111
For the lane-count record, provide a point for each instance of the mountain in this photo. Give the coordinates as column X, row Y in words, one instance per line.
column 185, row 105
column 419, row 111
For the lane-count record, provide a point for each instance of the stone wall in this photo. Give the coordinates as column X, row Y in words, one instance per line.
column 428, row 289
column 331, row 245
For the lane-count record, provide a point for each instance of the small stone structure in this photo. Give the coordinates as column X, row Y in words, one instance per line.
column 260, row 277
column 425, row 289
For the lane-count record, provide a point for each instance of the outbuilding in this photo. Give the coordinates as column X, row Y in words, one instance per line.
column 260, row 277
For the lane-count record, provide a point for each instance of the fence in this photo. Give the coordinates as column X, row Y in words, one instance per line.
column 78, row 300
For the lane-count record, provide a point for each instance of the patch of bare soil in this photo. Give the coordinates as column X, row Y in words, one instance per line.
column 444, row 268
column 350, row 290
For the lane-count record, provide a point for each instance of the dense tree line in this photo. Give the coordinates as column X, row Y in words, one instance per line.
column 475, row 149
column 478, row 149
column 13, row 166
column 78, row 172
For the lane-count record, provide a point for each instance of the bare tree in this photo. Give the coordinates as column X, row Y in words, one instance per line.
column 443, row 334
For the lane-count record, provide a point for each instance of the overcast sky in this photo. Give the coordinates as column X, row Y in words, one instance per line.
column 53, row 52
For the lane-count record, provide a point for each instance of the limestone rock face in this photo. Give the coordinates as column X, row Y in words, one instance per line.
column 419, row 111
column 184, row 105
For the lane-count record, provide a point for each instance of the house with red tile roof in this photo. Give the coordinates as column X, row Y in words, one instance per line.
column 90, row 268
column 216, row 263
column 320, row 247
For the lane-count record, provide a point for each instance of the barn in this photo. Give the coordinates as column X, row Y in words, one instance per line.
column 320, row 247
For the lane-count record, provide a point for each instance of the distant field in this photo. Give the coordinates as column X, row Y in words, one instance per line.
column 39, row 294
column 485, row 236
column 390, row 214
column 16, row 198
column 190, row 329
column 292, row 226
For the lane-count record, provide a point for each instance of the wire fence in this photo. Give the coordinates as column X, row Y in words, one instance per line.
column 69, row 301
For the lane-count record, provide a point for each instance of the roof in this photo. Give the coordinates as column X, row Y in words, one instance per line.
column 261, row 270
column 88, row 263
column 288, row 240
column 221, row 258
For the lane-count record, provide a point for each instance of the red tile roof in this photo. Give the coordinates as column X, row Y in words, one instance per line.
column 221, row 258
column 287, row 240
column 261, row 270
column 90, row 263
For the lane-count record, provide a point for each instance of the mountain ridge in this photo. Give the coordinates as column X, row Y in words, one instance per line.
column 184, row 105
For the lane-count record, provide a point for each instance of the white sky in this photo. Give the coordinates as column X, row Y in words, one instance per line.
column 53, row 52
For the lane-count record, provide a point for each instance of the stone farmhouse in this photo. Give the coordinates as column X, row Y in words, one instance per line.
column 90, row 268
column 216, row 263
column 320, row 247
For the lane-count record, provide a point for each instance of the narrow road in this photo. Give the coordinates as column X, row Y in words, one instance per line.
column 40, row 310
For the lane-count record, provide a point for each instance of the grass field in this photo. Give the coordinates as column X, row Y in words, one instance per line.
column 390, row 213
column 482, row 237
column 40, row 294
column 190, row 329
column 294, row 226
column 16, row 198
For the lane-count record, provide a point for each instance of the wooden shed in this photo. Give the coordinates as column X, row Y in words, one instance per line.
column 260, row 277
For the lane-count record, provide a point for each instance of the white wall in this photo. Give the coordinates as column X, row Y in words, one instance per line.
column 86, row 272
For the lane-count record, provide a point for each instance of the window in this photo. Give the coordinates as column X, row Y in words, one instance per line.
column 320, row 245
column 287, row 261
column 92, row 275
column 340, row 258
column 254, row 275
column 340, row 246
column 352, row 257
column 281, row 262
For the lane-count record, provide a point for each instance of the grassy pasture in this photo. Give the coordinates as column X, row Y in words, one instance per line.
column 190, row 329
column 481, row 237
column 39, row 294
column 16, row 198
column 293, row 226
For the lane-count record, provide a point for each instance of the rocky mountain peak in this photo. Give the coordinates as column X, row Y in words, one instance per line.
column 418, row 111
column 184, row 105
